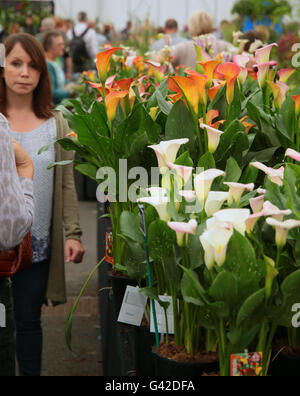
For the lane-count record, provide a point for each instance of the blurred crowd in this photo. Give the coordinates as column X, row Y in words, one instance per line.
column 71, row 47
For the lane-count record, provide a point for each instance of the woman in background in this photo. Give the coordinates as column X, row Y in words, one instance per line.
column 200, row 24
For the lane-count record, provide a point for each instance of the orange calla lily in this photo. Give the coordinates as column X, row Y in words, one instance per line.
column 125, row 83
column 157, row 70
column 201, row 81
column 112, row 100
column 189, row 89
column 279, row 91
column 209, row 69
column 72, row 134
column 296, row 99
column 246, row 124
column 212, row 92
column 285, row 74
column 102, row 62
column 210, row 116
column 230, row 71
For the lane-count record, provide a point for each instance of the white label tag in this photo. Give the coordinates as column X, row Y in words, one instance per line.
column 160, row 314
column 2, row 316
column 133, row 307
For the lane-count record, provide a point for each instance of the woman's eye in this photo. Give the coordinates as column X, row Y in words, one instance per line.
column 16, row 64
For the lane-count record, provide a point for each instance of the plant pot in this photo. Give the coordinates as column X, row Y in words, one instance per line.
column 287, row 364
column 166, row 367
column 143, row 352
column 119, row 284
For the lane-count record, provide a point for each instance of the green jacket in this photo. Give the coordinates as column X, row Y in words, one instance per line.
column 65, row 219
column 57, row 94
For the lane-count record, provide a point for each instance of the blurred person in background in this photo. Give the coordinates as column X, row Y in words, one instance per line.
column 25, row 100
column 47, row 25
column 172, row 37
column 83, row 44
column 125, row 33
column 199, row 24
column 54, row 47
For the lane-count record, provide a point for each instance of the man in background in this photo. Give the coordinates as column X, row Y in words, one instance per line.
column 172, row 37
column 83, row 44
column 47, row 25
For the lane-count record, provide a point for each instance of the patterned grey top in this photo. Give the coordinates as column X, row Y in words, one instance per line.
column 16, row 194
column 43, row 185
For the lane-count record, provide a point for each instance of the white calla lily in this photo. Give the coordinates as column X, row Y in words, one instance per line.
column 183, row 229
column 214, row 136
column 167, row 152
column 204, row 181
column 158, row 192
column 275, row 175
column 282, row 229
column 272, row 210
column 189, row 196
column 257, row 203
column 236, row 190
column 252, row 220
column 235, row 217
column 160, row 204
column 184, row 172
column 215, row 242
column 215, row 201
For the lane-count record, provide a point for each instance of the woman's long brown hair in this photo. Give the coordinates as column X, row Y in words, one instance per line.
column 42, row 95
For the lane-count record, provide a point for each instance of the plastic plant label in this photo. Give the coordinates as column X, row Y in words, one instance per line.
column 133, row 307
column 247, row 365
column 161, row 319
column 109, row 251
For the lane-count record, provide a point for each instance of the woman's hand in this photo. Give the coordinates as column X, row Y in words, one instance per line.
column 24, row 162
column 74, row 251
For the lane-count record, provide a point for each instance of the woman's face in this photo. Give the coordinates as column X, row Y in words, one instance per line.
column 20, row 74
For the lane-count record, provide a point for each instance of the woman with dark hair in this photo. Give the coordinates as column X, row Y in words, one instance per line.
column 25, row 100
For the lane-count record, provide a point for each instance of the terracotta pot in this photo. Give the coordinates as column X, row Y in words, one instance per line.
column 165, row 367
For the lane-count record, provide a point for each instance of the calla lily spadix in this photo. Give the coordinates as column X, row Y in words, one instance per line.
column 275, row 175
column 167, row 152
column 204, row 181
column 234, row 217
column 293, row 154
column 215, row 242
column 183, row 229
column 272, row 210
column 230, row 71
column 102, row 62
column 160, row 204
column 215, row 201
column 236, row 190
column 214, row 136
column 282, row 229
